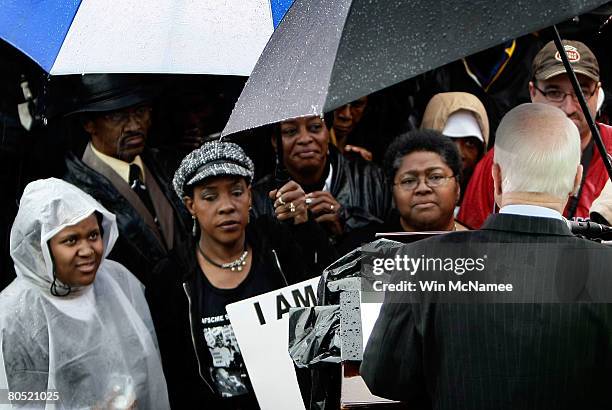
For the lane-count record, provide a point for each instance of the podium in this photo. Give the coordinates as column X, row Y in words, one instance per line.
column 354, row 394
column 340, row 290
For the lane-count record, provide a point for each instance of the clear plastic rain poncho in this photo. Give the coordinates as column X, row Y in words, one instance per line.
column 96, row 346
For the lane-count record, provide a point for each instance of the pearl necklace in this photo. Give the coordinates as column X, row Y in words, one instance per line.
column 234, row 266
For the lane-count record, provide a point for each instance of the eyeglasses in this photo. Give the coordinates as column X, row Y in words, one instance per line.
column 123, row 116
column 558, row 96
column 410, row 182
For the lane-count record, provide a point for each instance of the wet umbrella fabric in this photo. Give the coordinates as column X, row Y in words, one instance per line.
column 327, row 53
column 141, row 36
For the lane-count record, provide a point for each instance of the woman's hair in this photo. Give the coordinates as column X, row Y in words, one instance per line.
column 188, row 190
column 421, row 141
column 100, row 218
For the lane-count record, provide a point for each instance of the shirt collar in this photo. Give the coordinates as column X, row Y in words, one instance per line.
column 120, row 167
column 531, row 210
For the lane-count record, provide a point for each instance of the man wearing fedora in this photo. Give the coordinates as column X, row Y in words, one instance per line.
column 126, row 177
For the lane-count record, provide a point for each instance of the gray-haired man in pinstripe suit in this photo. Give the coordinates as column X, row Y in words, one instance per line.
column 510, row 355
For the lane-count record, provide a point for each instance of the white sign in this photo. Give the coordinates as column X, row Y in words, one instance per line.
column 369, row 315
column 261, row 326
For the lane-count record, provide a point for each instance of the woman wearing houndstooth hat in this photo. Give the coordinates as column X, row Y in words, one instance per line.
column 237, row 257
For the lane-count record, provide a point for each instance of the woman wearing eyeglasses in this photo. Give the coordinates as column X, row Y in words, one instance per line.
column 424, row 169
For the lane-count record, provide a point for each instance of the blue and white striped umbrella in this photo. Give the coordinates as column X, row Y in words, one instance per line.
column 141, row 36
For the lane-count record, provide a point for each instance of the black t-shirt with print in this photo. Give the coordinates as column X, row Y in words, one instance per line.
column 227, row 369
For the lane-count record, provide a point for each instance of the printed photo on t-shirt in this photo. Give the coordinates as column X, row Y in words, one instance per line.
column 228, row 370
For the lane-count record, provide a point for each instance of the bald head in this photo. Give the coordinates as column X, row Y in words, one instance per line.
column 537, row 149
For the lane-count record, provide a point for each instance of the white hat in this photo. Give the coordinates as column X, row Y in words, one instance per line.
column 462, row 124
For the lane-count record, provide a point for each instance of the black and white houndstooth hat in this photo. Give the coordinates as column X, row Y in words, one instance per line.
column 215, row 158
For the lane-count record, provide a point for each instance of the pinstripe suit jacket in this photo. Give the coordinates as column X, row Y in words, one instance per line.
column 495, row 356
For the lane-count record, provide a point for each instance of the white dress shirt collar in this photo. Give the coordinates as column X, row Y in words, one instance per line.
column 120, row 167
column 531, row 210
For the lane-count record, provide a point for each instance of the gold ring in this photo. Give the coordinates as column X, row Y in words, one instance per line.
column 280, row 200
column 291, row 207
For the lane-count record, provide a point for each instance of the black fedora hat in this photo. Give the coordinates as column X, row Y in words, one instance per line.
column 109, row 92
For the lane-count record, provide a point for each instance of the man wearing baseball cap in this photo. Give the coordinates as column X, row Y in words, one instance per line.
column 551, row 85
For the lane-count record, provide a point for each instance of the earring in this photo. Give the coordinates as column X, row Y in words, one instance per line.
column 194, row 231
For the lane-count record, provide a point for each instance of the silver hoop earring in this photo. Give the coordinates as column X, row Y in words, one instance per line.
column 194, row 230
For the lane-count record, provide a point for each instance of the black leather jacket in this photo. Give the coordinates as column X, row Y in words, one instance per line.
column 359, row 186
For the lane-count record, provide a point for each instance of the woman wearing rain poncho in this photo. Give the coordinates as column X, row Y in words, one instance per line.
column 72, row 321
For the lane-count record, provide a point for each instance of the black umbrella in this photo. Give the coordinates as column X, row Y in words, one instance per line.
column 326, row 53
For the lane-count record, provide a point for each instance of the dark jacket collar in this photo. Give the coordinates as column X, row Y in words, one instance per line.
column 526, row 224
column 338, row 168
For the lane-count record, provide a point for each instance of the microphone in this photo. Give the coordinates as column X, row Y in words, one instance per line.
column 590, row 230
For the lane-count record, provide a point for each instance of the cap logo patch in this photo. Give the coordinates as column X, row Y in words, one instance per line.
column 572, row 54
